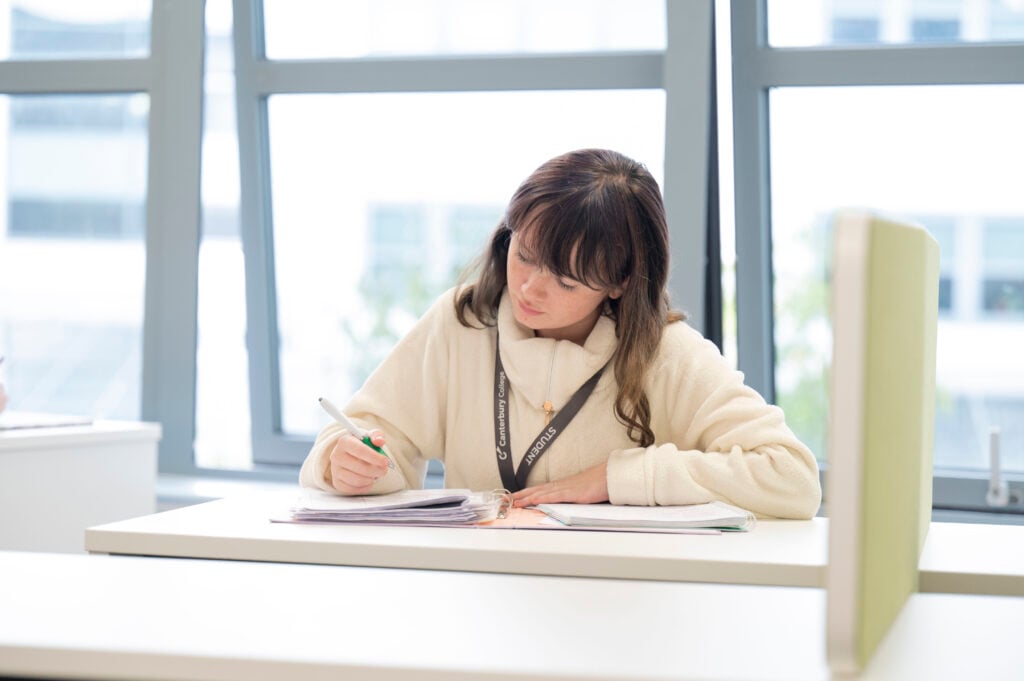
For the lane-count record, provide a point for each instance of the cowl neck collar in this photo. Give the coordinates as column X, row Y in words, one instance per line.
column 529, row 362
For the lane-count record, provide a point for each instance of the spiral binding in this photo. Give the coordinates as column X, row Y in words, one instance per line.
column 504, row 499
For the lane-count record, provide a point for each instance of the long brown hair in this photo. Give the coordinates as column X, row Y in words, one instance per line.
column 595, row 216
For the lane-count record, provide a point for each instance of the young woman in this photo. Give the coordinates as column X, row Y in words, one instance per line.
column 562, row 375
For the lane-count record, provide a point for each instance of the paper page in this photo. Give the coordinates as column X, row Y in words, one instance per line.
column 319, row 500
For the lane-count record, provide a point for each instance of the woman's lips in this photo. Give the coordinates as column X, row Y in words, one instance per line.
column 527, row 310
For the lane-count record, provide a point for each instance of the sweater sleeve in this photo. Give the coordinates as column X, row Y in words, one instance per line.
column 405, row 398
column 715, row 438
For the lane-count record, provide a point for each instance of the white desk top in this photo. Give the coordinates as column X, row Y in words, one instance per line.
column 20, row 439
column 74, row 616
column 967, row 558
column 781, row 553
column 958, row 558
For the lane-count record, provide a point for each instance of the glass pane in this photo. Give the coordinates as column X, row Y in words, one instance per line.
column 50, row 29
column 319, row 29
column 944, row 229
column 947, row 157
column 222, row 361
column 804, row 23
column 72, row 254
column 1003, row 267
column 726, row 180
column 379, row 200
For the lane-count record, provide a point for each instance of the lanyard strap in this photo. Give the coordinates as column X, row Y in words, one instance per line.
column 515, row 480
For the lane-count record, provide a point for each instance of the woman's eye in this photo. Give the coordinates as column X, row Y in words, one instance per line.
column 565, row 286
column 523, row 259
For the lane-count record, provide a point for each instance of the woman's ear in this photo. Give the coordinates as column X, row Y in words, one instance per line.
column 617, row 292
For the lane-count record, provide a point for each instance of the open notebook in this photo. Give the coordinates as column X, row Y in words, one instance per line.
column 714, row 515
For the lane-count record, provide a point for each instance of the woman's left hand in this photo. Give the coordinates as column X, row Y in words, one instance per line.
column 587, row 487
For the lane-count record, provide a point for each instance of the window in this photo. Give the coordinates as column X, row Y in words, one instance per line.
column 369, row 179
column 80, row 164
column 74, row 206
column 329, row 29
column 322, row 129
column 365, row 189
column 814, row 169
column 1003, row 268
column 47, row 30
column 413, row 254
column 878, row 130
column 98, row 230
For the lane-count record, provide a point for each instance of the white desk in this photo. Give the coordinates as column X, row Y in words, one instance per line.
column 781, row 553
column 55, row 482
column 148, row 618
column 958, row 558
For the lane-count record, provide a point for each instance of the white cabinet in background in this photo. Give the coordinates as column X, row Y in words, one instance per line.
column 57, row 481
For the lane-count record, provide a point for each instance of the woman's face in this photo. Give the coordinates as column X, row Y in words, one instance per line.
column 552, row 306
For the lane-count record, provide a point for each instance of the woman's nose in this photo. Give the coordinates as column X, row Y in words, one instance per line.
column 534, row 282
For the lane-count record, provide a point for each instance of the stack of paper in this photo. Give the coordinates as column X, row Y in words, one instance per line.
column 464, row 508
column 714, row 514
column 408, row 507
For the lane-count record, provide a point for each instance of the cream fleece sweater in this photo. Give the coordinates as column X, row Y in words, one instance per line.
column 715, row 438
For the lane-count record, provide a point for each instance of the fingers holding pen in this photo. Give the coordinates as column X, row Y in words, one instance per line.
column 354, row 466
column 356, row 460
column 376, row 437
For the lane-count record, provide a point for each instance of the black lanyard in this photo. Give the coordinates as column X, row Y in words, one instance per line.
column 512, row 480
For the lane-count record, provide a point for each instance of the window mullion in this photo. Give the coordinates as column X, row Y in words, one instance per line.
column 688, row 86
column 172, row 232
column 257, row 241
column 755, row 341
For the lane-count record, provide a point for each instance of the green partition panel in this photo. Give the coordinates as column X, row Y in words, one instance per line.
column 881, row 425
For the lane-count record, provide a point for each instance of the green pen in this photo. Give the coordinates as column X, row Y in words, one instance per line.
column 352, row 428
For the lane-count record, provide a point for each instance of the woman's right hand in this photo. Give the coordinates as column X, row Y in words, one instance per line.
column 354, row 467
